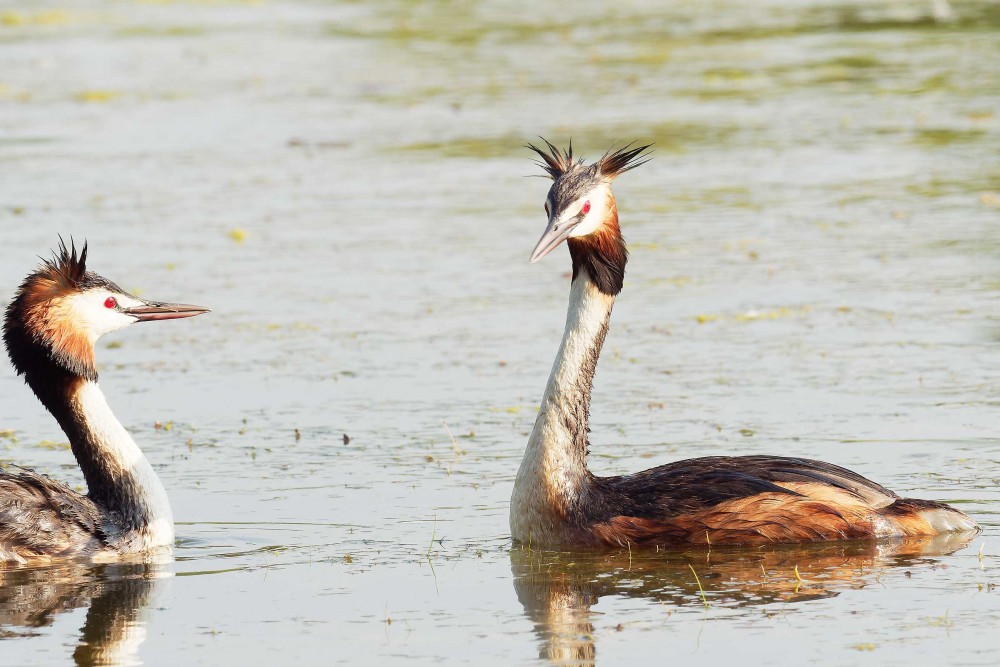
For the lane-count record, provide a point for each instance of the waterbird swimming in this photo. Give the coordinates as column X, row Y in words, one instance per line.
column 50, row 328
column 712, row 500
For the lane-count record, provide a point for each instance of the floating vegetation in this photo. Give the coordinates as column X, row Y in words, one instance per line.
column 161, row 31
column 469, row 147
column 667, row 136
column 52, row 445
column 755, row 315
column 991, row 199
column 701, row 590
column 97, row 96
column 855, row 61
column 943, row 186
column 936, row 137
column 13, row 18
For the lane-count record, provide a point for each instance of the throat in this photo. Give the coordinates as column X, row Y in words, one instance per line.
column 602, row 254
column 120, row 480
column 553, row 475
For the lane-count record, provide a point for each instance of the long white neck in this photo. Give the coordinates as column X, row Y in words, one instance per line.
column 120, row 479
column 553, row 472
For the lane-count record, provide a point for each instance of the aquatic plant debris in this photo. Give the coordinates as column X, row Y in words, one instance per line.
column 754, row 315
column 97, row 96
column 13, row 18
column 704, row 598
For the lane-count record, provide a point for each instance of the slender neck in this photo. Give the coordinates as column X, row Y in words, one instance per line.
column 566, row 403
column 554, row 466
column 120, row 480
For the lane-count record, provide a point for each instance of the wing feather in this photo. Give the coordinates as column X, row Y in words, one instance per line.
column 701, row 483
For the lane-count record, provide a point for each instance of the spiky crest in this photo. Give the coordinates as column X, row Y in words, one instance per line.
column 617, row 161
column 65, row 269
column 612, row 164
column 554, row 162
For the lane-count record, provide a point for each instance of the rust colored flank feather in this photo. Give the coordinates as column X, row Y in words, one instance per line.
column 806, row 512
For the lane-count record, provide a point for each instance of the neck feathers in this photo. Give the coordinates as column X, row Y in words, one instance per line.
column 603, row 254
column 119, row 477
column 572, row 379
column 553, row 473
column 39, row 335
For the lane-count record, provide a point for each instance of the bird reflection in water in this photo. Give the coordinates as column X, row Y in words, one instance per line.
column 558, row 588
column 118, row 595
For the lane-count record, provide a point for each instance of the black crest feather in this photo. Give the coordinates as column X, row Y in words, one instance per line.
column 626, row 158
column 615, row 162
column 65, row 265
column 554, row 162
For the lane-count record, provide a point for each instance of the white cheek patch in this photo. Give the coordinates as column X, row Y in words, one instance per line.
column 92, row 316
column 598, row 198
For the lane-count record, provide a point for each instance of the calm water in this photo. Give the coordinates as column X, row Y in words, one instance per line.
column 814, row 272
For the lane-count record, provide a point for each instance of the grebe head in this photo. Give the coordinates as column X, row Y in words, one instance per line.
column 580, row 201
column 62, row 309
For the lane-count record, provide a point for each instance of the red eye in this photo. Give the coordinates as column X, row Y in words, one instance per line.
column 586, row 207
column 111, row 302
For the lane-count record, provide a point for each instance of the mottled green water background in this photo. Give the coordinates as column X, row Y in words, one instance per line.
column 814, row 272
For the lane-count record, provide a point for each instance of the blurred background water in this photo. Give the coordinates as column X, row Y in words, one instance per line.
column 814, row 272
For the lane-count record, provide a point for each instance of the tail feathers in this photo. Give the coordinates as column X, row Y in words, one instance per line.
column 923, row 517
column 947, row 520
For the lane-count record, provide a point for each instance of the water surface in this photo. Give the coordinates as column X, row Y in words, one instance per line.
column 814, row 272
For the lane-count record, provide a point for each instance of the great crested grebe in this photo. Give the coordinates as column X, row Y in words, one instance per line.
column 712, row 500
column 50, row 329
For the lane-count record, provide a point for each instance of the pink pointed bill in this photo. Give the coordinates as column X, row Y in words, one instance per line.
column 153, row 311
column 554, row 235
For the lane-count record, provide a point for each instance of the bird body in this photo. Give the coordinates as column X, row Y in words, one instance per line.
column 714, row 500
column 50, row 328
